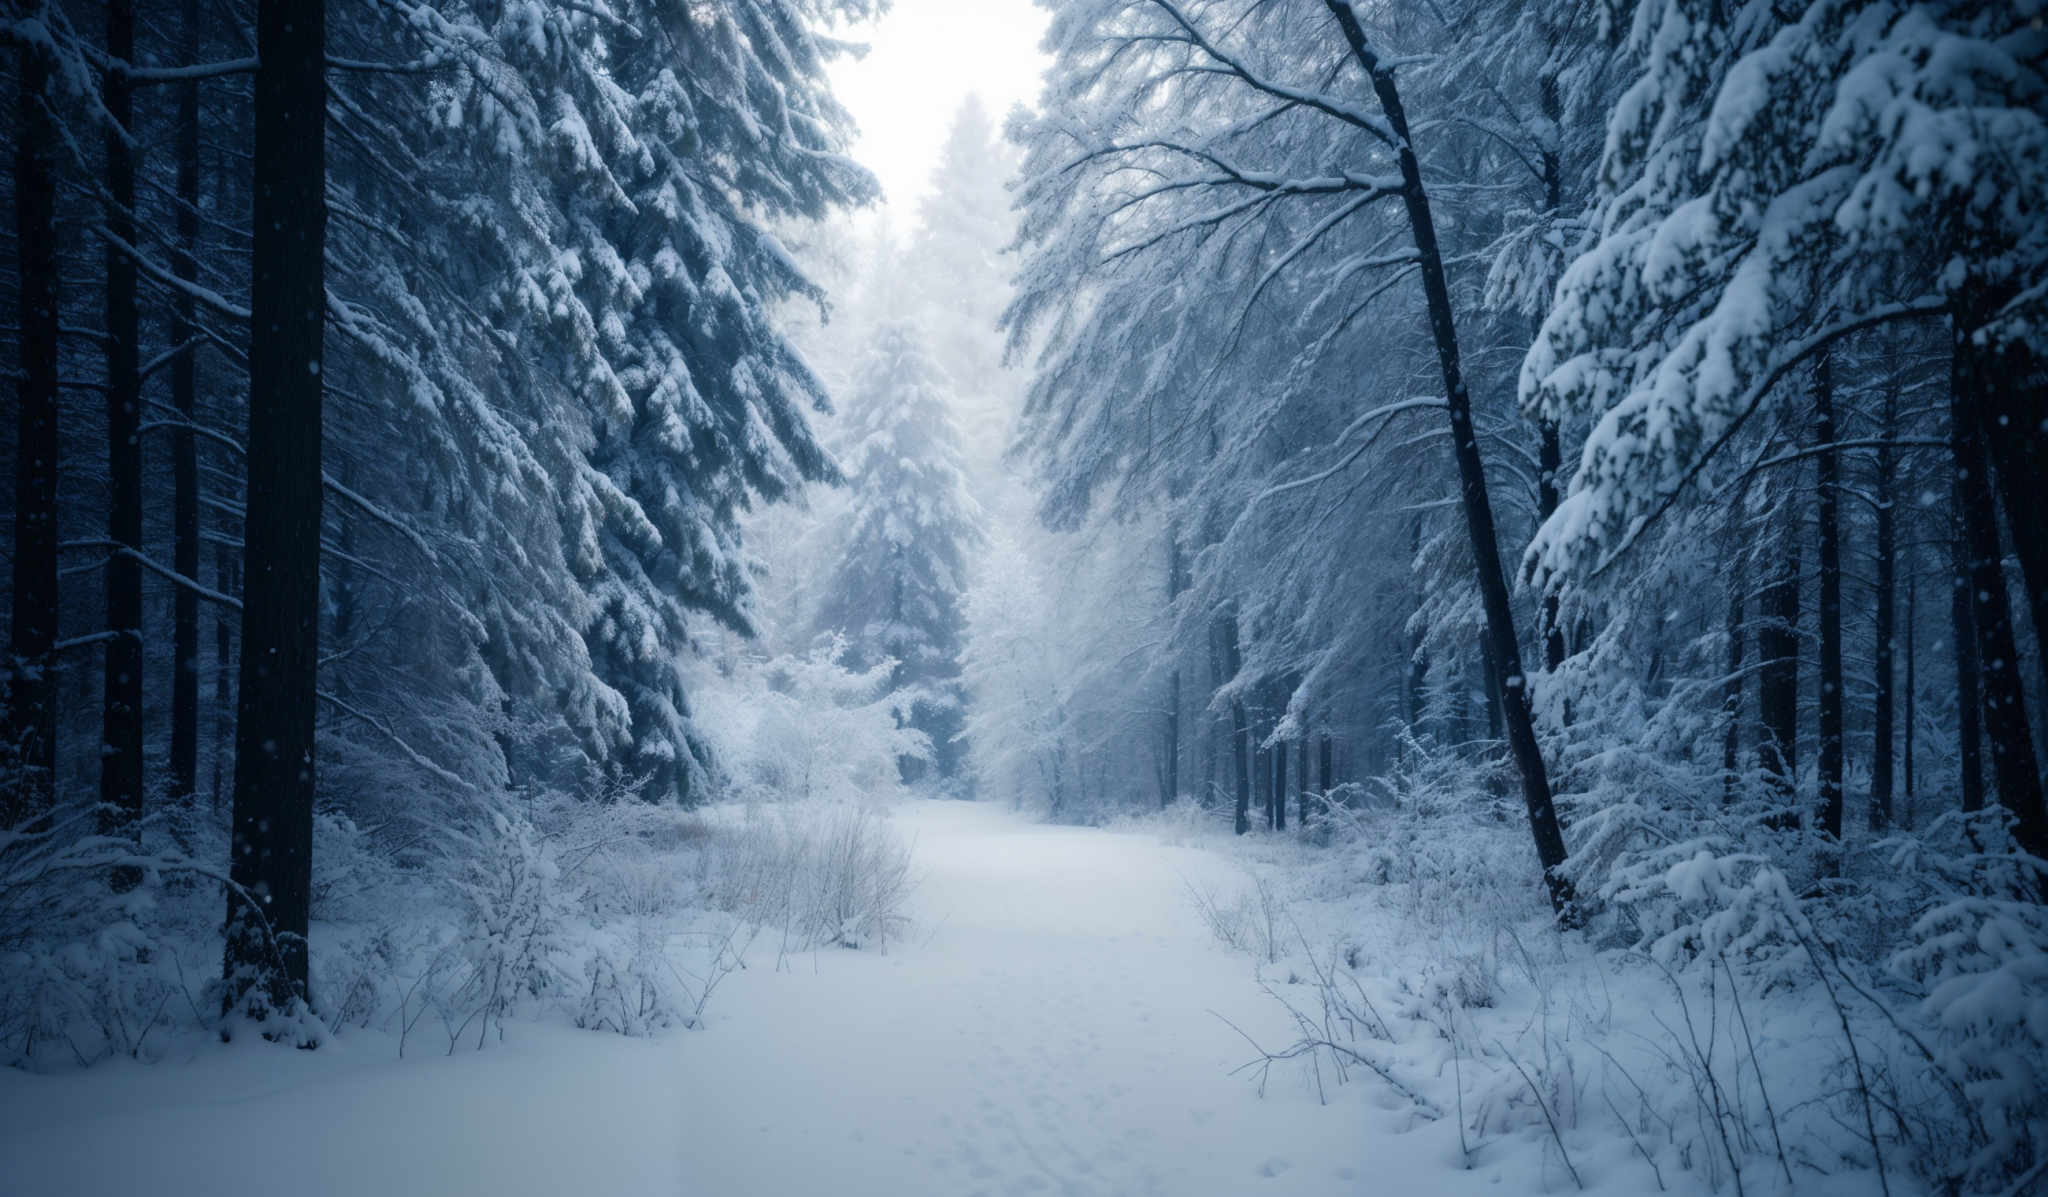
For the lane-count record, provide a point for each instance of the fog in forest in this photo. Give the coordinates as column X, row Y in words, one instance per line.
column 1111, row 597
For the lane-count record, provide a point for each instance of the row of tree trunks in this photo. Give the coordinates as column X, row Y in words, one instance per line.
column 1990, row 707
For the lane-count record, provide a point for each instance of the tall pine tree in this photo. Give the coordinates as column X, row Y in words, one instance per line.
column 898, row 591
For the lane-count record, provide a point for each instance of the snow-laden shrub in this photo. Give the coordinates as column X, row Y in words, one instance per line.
column 1952, row 1074
column 1431, row 834
column 1433, row 780
column 1252, row 920
column 1181, row 822
column 646, row 962
column 109, row 940
column 514, row 912
column 860, row 879
column 805, row 727
column 823, row 874
column 1697, row 898
column 355, row 877
column 550, row 907
column 1977, row 951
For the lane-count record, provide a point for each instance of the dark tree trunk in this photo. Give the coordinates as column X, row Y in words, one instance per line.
column 1884, row 707
column 1496, row 777
column 1262, row 771
column 1169, row 780
column 1418, row 677
column 273, row 818
column 1176, row 583
column 224, row 580
column 1912, row 695
column 1301, row 778
column 184, row 445
column 2005, row 710
column 1279, row 785
column 1493, row 585
column 121, row 712
column 1323, row 766
column 1490, row 669
column 1549, row 463
column 1731, row 689
column 1549, row 453
column 1210, row 791
column 1777, row 681
column 1240, row 730
column 2014, row 418
column 343, row 572
column 1832, row 748
column 1969, row 684
column 1241, row 747
column 31, row 727
column 1418, row 654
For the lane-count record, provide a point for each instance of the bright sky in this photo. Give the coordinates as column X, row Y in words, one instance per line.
column 924, row 57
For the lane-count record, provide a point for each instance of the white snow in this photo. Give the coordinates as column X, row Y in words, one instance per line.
column 1050, row 1025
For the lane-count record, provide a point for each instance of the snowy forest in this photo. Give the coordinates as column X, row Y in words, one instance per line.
column 1336, row 596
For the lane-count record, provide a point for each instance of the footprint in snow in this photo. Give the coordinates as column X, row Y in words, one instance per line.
column 1273, row 1167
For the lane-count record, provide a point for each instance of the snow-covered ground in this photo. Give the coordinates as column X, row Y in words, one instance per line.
column 1059, row 1018
column 1050, row 1024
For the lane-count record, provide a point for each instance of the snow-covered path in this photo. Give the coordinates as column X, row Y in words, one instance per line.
column 1049, row 1026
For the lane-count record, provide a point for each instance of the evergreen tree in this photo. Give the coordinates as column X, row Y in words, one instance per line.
column 720, row 119
column 897, row 593
column 960, row 280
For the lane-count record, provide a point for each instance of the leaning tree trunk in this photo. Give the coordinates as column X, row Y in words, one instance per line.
column 272, row 850
column 1549, row 453
column 1549, row 463
column 121, row 711
column 31, row 718
column 1832, row 749
column 184, row 445
column 1493, row 586
column 2005, row 709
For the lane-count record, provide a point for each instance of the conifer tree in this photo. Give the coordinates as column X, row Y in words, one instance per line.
column 897, row 593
